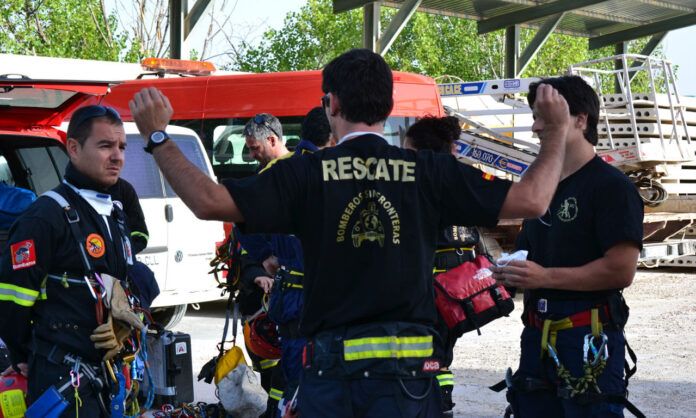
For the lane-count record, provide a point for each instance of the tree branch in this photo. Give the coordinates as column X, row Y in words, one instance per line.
column 99, row 29
column 109, row 34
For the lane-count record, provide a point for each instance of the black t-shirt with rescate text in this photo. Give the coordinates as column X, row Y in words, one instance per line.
column 368, row 215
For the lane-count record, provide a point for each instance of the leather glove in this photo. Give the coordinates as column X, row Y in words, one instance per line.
column 121, row 309
column 108, row 288
column 110, row 336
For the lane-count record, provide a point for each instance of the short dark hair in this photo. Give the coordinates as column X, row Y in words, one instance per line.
column 433, row 133
column 81, row 121
column 363, row 83
column 580, row 96
column 315, row 127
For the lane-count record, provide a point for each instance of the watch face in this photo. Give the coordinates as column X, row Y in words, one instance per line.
column 158, row 136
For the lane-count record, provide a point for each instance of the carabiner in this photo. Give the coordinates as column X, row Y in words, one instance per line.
column 553, row 355
column 598, row 352
column 89, row 286
column 74, row 379
column 603, row 350
column 586, row 347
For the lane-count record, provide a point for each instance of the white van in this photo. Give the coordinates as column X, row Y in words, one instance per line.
column 32, row 155
column 180, row 246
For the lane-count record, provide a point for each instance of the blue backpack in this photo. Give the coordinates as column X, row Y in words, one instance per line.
column 13, row 201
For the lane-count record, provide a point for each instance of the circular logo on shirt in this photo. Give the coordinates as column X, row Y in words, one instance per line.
column 95, row 245
column 568, row 210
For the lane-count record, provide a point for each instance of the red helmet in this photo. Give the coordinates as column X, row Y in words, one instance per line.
column 13, row 392
column 261, row 337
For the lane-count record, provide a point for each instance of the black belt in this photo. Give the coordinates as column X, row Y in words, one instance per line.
column 57, row 355
column 450, row 258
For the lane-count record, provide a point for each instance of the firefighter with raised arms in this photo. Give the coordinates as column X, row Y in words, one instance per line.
column 63, row 309
column 582, row 253
column 369, row 307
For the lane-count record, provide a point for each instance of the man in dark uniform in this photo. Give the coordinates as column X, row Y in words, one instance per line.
column 582, row 253
column 368, row 215
column 50, row 303
column 277, row 259
column 455, row 244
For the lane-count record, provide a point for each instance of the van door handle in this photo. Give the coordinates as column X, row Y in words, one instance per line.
column 168, row 212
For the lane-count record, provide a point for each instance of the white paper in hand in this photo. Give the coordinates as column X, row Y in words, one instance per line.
column 506, row 258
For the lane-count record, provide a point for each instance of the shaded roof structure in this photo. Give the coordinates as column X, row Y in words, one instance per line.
column 604, row 22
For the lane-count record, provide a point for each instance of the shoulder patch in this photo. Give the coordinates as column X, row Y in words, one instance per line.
column 95, row 245
column 23, row 254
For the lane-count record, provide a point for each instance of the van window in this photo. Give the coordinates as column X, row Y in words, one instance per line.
column 30, row 96
column 43, row 171
column 60, row 157
column 192, row 149
column 230, row 157
column 5, row 172
column 140, row 169
column 228, row 153
column 395, row 129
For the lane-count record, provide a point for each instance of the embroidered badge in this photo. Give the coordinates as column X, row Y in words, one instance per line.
column 23, row 254
column 95, row 245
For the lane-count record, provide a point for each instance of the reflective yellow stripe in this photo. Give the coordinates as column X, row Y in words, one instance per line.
column 445, row 379
column 387, row 347
column 244, row 252
column 296, row 273
column 267, row 364
column 442, row 250
column 19, row 295
column 288, row 155
column 140, row 234
column 292, row 285
column 275, row 394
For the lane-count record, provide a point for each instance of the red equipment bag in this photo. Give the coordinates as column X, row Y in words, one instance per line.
column 468, row 297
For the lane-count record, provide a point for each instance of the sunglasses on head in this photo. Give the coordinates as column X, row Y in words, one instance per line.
column 263, row 120
column 92, row 112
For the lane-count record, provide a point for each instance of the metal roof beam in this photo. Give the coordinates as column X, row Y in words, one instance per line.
column 512, row 46
column 407, row 9
column 532, row 13
column 176, row 22
column 648, row 49
column 538, row 41
column 194, row 15
column 667, row 5
column 345, row 5
column 371, row 27
column 645, row 30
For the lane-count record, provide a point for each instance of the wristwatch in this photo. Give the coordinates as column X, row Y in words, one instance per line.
column 157, row 138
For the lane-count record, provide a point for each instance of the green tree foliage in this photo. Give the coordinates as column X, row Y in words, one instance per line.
column 429, row 44
column 61, row 28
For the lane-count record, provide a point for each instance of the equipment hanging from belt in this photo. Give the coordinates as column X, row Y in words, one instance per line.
column 595, row 352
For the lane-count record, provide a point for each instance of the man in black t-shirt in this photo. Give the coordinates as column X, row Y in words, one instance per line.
column 368, row 216
column 582, row 253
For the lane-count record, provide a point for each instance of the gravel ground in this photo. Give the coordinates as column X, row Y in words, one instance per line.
column 661, row 330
